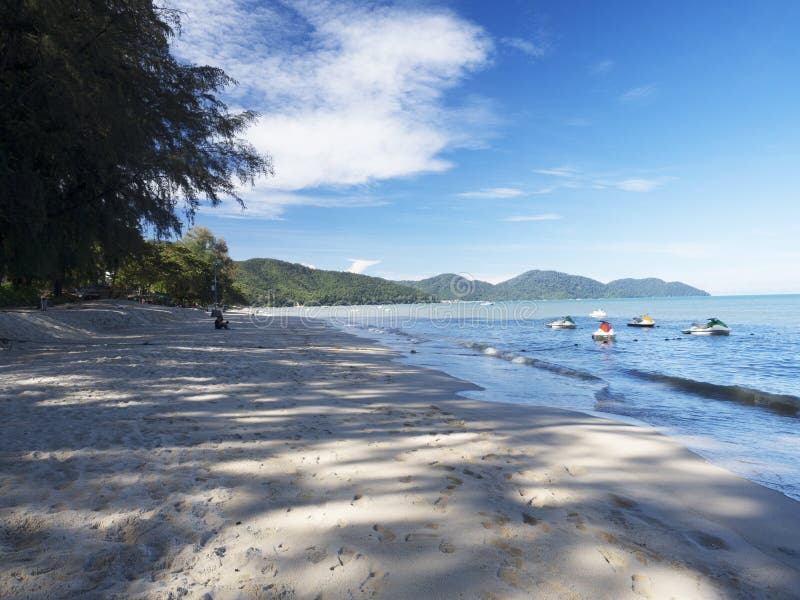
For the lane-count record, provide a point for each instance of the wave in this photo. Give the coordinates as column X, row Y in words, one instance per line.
column 396, row 331
column 531, row 362
column 784, row 404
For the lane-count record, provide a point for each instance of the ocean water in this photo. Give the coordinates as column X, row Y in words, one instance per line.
column 735, row 400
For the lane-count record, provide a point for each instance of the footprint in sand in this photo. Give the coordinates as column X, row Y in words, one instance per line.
column 384, row 534
column 509, row 575
column 577, row 520
column 316, row 555
column 373, row 585
column 708, row 541
column 446, row 547
column 344, row 556
column 621, row 501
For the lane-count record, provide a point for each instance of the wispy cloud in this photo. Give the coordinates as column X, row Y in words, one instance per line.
column 359, row 265
column 639, row 95
column 492, row 193
column 524, row 219
column 350, row 92
column 271, row 205
column 558, row 172
column 570, row 177
column 533, row 49
column 602, row 68
column 639, row 185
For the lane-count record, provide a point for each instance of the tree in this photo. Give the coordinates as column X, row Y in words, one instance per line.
column 105, row 135
column 213, row 252
column 183, row 270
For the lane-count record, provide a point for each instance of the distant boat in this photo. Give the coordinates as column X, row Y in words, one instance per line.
column 598, row 314
column 604, row 333
column 712, row 327
column 565, row 323
column 487, row 304
column 643, row 321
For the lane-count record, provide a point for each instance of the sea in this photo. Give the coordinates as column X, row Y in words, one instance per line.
column 734, row 400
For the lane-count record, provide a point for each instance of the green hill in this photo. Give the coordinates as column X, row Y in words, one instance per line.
column 633, row 288
column 449, row 286
column 550, row 285
column 266, row 281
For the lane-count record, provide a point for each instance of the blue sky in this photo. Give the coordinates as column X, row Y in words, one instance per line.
column 606, row 139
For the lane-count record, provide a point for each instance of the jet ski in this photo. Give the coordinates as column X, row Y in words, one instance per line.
column 598, row 314
column 643, row 321
column 712, row 327
column 604, row 333
column 565, row 323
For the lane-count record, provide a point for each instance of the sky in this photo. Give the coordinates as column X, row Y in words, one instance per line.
column 605, row 139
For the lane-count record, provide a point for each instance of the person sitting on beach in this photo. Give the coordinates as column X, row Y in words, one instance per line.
column 219, row 323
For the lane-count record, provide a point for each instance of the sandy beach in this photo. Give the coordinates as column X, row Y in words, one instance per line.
column 145, row 455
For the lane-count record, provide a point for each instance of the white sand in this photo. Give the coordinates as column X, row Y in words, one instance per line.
column 145, row 455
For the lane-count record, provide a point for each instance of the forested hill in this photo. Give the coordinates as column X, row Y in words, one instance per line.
column 266, row 281
column 549, row 285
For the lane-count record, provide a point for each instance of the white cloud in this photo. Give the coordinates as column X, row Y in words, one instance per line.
column 639, row 185
column 639, row 95
column 544, row 217
column 492, row 193
column 270, row 205
column 359, row 265
column 350, row 92
column 309, row 265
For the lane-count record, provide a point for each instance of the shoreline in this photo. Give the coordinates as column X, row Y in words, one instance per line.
column 310, row 463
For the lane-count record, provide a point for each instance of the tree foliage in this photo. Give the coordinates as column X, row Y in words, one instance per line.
column 183, row 271
column 105, row 135
column 266, row 281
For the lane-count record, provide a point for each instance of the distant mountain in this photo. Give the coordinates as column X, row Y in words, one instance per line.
column 549, row 285
column 449, row 286
column 278, row 283
column 266, row 281
column 650, row 287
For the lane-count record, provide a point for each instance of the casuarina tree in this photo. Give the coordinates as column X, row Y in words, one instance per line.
column 105, row 135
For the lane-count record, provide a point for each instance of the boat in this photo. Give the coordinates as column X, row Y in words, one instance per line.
column 712, row 326
column 565, row 323
column 604, row 333
column 598, row 314
column 487, row 304
column 642, row 321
